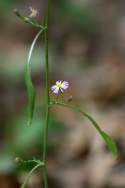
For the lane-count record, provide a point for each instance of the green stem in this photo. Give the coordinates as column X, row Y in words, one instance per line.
column 45, row 137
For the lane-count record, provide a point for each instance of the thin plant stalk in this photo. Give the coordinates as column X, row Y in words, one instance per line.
column 45, row 136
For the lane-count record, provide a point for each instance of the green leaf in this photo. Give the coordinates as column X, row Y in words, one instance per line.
column 110, row 143
column 108, row 140
column 30, row 88
column 31, row 95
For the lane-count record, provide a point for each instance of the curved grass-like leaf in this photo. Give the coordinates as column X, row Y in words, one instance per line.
column 108, row 140
column 111, row 144
column 30, row 88
column 30, row 173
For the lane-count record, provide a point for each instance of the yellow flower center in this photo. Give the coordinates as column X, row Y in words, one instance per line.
column 59, row 84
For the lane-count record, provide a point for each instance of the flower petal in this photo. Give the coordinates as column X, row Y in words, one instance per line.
column 55, row 91
column 65, row 85
column 53, row 87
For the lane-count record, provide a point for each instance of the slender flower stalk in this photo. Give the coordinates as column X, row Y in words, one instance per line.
column 45, row 137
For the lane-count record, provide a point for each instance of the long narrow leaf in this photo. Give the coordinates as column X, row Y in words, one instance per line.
column 108, row 140
column 30, row 88
column 111, row 144
column 31, row 94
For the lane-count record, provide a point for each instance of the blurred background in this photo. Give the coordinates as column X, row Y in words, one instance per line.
column 87, row 48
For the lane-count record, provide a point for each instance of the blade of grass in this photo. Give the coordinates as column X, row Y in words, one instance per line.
column 108, row 140
column 30, row 88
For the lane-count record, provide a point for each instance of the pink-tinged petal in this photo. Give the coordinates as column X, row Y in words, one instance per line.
column 65, row 85
column 53, row 87
column 55, row 91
